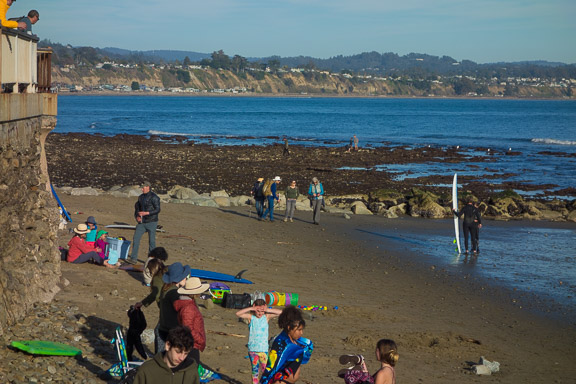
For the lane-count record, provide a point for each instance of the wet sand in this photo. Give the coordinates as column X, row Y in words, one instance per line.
column 440, row 323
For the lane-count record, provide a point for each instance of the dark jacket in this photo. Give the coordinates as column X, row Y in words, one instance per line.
column 148, row 202
column 156, row 371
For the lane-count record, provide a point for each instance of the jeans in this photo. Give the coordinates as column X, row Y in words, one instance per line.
column 259, row 207
column 141, row 228
column 93, row 255
column 290, row 206
column 270, row 208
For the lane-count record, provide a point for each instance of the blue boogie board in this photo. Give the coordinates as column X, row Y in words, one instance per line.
column 64, row 211
column 209, row 275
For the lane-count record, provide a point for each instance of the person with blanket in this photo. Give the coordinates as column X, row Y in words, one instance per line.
column 289, row 350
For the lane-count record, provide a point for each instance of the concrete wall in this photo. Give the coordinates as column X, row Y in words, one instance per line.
column 29, row 256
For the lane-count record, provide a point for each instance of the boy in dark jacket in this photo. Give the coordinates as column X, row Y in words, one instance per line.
column 174, row 365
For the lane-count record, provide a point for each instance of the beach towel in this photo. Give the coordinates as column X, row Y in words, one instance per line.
column 285, row 357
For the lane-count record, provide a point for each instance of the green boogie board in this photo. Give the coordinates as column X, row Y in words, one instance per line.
column 51, row 348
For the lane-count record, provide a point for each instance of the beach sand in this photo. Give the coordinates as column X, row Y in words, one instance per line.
column 440, row 324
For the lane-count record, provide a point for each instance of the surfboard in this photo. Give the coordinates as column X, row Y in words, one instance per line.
column 64, row 211
column 209, row 275
column 200, row 273
column 455, row 206
column 41, row 347
column 128, row 226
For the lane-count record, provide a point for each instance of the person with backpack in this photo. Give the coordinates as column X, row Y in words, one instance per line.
column 269, row 191
column 316, row 196
column 258, row 194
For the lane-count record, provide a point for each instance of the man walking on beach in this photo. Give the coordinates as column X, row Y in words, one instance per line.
column 174, row 365
column 258, row 194
column 271, row 195
column 146, row 212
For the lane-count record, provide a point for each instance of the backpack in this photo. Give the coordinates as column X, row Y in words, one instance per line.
column 259, row 190
column 267, row 188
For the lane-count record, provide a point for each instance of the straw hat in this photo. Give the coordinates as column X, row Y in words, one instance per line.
column 193, row 286
column 82, row 229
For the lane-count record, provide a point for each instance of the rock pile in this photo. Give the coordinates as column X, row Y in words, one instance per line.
column 506, row 205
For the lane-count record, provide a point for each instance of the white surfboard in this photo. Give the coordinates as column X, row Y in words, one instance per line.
column 455, row 206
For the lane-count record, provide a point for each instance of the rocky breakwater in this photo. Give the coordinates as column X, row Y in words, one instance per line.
column 507, row 205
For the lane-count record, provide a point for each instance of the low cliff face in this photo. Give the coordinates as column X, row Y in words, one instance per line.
column 313, row 83
column 29, row 256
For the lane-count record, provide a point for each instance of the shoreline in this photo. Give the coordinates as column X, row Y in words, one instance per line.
column 304, row 96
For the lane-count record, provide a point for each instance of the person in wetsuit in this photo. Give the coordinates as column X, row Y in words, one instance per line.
column 470, row 224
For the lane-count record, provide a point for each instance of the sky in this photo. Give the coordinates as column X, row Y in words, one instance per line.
column 483, row 31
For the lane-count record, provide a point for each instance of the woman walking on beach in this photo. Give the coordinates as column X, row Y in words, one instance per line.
column 316, row 195
column 156, row 269
column 291, row 194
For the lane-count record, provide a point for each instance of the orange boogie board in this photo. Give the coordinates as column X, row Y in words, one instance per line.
column 51, row 348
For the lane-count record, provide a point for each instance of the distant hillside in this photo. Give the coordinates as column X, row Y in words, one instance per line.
column 415, row 65
column 163, row 55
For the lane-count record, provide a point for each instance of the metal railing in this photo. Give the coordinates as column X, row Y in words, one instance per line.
column 23, row 68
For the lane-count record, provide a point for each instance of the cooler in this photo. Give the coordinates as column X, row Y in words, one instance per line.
column 117, row 249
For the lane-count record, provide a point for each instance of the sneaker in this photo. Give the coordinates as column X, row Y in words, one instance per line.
column 285, row 219
column 291, row 220
column 131, row 261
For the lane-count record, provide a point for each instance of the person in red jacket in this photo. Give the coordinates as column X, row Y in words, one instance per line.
column 189, row 315
column 80, row 252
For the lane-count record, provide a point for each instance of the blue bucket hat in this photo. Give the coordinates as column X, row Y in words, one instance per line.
column 176, row 273
column 91, row 220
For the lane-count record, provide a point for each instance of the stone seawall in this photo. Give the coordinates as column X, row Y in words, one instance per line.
column 29, row 216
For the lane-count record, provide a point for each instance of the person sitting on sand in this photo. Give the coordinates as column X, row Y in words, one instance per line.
column 157, row 253
column 386, row 354
column 289, row 349
column 189, row 315
column 91, row 236
column 258, row 316
column 81, row 252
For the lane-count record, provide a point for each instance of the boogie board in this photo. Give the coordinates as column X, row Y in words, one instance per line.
column 209, row 275
column 64, row 211
column 41, row 347
column 455, row 206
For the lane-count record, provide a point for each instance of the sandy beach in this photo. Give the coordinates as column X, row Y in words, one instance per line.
column 441, row 324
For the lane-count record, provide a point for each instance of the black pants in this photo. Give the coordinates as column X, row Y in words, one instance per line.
column 472, row 230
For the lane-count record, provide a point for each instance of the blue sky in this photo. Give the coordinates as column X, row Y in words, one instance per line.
column 481, row 31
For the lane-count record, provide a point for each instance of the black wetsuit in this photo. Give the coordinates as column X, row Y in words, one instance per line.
column 470, row 225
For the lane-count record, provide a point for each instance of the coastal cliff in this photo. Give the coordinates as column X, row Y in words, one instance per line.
column 206, row 79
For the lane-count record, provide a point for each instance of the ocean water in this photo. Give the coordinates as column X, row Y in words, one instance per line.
column 542, row 133
column 535, row 258
column 535, row 261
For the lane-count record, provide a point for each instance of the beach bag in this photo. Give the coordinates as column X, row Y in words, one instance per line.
column 267, row 188
column 218, row 290
column 237, row 300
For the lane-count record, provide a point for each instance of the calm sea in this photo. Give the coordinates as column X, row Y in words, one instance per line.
column 539, row 260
